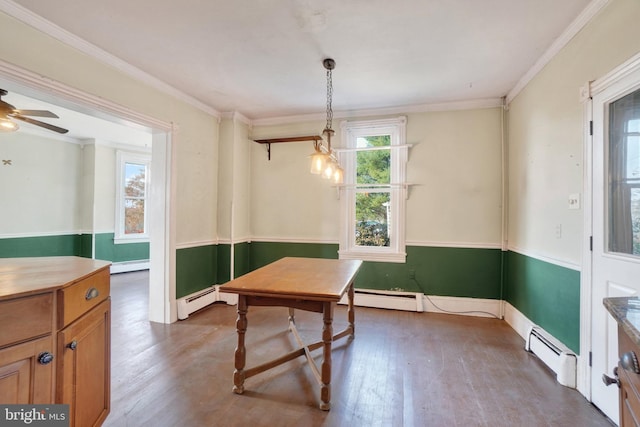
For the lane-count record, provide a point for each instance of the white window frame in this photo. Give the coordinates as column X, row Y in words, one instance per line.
column 122, row 158
column 396, row 128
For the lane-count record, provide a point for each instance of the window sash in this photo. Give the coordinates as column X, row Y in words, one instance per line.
column 396, row 188
column 125, row 200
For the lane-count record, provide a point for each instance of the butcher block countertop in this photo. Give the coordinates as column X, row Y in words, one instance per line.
column 25, row 276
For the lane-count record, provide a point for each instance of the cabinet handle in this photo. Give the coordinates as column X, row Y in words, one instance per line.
column 73, row 345
column 91, row 293
column 629, row 361
column 45, row 358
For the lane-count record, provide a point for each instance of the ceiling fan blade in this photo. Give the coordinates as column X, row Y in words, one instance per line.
column 36, row 113
column 41, row 124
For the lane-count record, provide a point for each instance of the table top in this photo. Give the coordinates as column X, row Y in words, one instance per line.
column 23, row 276
column 315, row 279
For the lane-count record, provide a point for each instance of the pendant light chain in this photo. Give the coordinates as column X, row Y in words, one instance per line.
column 329, row 99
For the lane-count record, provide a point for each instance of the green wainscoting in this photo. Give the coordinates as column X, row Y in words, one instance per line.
column 62, row 245
column 460, row 272
column 107, row 250
column 196, row 269
column 241, row 261
column 455, row 272
column 549, row 295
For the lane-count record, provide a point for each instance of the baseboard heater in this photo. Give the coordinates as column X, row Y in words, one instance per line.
column 197, row 300
column 394, row 300
column 554, row 354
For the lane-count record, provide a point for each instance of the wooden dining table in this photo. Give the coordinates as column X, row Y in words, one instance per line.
column 309, row 284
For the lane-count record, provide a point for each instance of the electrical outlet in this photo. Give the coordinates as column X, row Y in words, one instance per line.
column 559, row 231
column 411, row 274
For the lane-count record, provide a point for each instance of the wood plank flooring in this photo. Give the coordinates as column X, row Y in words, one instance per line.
column 402, row 369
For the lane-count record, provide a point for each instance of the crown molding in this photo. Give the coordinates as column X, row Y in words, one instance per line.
column 49, row 28
column 578, row 24
column 472, row 104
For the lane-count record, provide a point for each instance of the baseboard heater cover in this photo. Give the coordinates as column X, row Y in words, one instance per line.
column 197, row 300
column 394, row 300
column 554, row 354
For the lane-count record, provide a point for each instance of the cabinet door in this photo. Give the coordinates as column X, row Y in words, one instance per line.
column 84, row 366
column 25, row 377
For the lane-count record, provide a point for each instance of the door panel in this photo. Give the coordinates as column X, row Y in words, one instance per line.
column 616, row 223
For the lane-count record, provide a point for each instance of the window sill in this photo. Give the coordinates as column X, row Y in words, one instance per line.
column 399, row 258
column 126, row 240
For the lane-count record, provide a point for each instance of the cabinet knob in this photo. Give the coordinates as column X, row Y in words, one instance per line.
column 45, row 358
column 629, row 361
column 72, row 345
column 607, row 380
column 91, row 293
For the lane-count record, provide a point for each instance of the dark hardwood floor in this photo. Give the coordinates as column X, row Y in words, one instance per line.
column 402, row 369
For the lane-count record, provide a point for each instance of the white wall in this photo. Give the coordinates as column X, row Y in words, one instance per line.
column 40, row 191
column 454, row 164
column 196, row 138
column 546, row 128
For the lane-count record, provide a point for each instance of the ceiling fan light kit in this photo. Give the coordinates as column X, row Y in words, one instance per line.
column 9, row 112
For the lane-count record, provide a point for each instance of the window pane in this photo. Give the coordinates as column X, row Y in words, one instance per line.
column 635, row 219
column 134, row 216
column 374, row 167
column 623, row 195
column 134, row 179
column 633, row 157
column 372, row 219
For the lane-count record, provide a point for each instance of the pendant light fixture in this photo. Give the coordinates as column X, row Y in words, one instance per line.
column 324, row 161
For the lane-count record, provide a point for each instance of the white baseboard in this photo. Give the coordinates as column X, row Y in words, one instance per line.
column 411, row 301
column 478, row 307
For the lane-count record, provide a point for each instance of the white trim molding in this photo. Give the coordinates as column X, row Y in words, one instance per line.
column 532, row 254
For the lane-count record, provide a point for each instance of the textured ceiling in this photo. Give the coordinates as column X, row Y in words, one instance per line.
column 263, row 58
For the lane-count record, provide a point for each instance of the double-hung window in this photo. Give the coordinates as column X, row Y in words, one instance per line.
column 374, row 190
column 132, row 191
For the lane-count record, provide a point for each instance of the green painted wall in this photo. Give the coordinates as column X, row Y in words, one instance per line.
column 63, row 245
column 458, row 272
column 196, row 269
column 549, row 295
column 107, row 250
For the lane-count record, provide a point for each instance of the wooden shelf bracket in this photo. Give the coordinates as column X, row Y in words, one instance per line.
column 292, row 139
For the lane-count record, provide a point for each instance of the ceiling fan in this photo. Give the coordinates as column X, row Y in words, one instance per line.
column 8, row 112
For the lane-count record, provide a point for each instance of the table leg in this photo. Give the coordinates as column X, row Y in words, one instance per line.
column 292, row 316
column 327, row 339
column 351, row 315
column 241, row 352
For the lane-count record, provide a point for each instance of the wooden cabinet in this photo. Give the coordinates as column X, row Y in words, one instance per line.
column 55, row 340
column 629, row 380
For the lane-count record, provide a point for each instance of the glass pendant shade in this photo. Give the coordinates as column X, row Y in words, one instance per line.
column 318, row 162
column 338, row 175
column 329, row 168
column 7, row 125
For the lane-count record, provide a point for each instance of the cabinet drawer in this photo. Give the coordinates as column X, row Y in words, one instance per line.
column 25, row 318
column 82, row 296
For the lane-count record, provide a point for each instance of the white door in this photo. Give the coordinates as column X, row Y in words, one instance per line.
column 616, row 223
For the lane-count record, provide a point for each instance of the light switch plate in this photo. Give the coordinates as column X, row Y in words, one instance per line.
column 574, row 201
